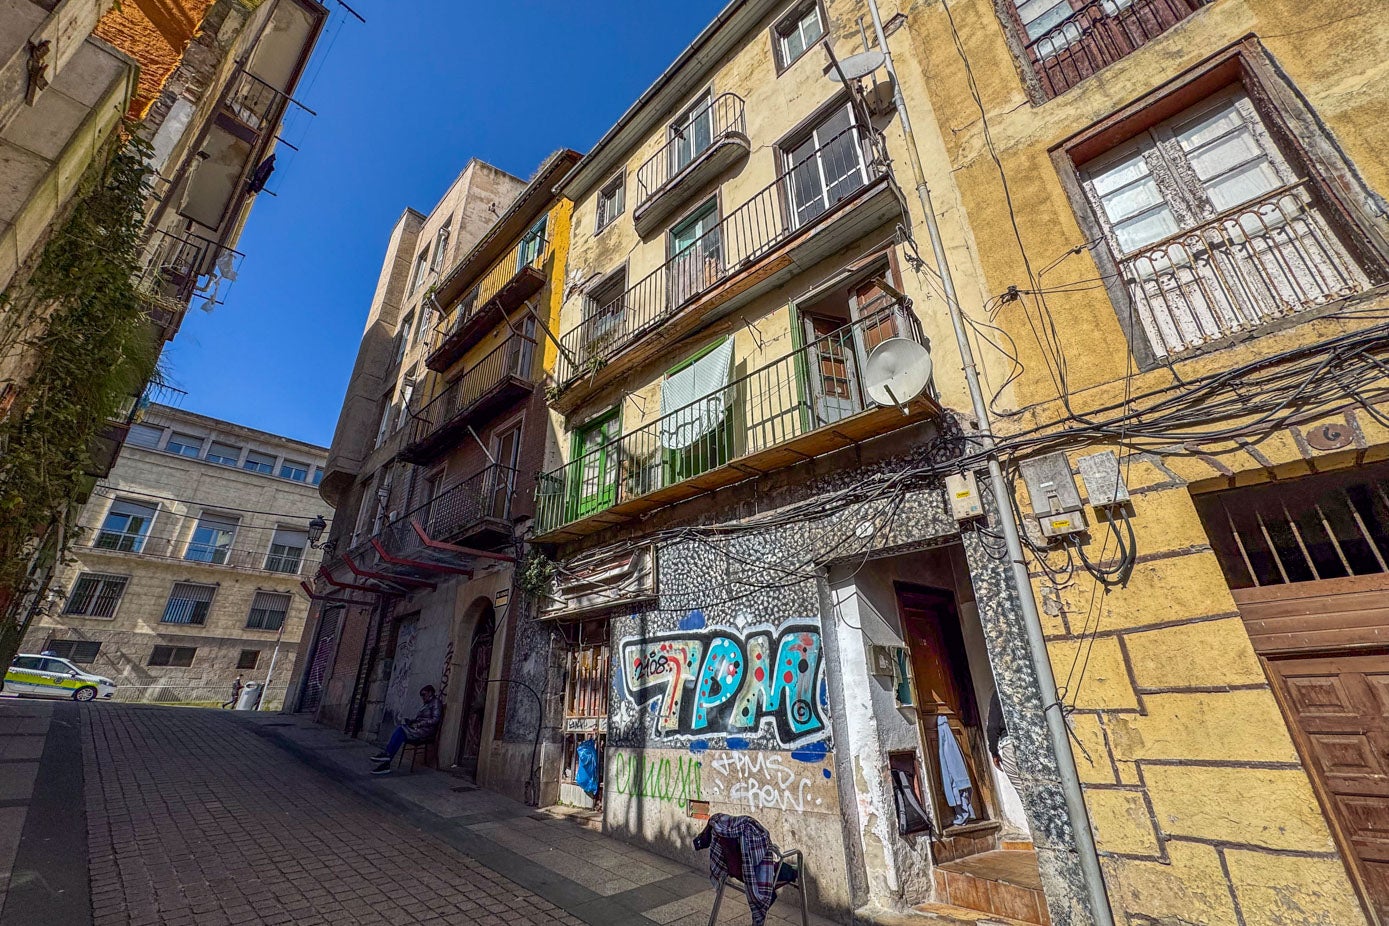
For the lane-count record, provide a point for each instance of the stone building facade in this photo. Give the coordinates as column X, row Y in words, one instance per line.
column 420, row 590
column 187, row 569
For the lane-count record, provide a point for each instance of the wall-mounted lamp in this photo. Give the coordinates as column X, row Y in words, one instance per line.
column 316, row 528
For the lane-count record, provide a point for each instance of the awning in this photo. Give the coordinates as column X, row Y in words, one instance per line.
column 695, row 399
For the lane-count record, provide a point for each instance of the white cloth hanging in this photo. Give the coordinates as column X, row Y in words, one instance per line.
column 954, row 773
column 694, row 400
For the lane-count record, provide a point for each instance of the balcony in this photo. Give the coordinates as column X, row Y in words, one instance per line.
column 1262, row 261
column 442, row 537
column 712, row 140
column 255, row 104
column 497, row 380
column 505, row 288
column 1099, row 33
column 173, row 271
column 178, row 547
column 833, row 197
column 804, row 404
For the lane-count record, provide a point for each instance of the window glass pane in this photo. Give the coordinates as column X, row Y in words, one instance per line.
column 28, row 663
column 1131, row 168
column 95, row 595
column 292, row 469
column 1242, row 185
column 126, row 526
column 212, row 540
column 1126, row 201
column 81, row 652
column 142, row 435
column 1145, row 228
column 1135, row 208
column 286, row 550
column 258, row 462
column 267, row 611
column 185, row 445
column 1039, row 16
column 225, row 454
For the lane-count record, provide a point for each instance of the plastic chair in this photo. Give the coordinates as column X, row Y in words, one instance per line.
column 789, row 873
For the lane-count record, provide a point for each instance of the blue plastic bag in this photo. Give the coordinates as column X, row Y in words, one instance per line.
column 586, row 775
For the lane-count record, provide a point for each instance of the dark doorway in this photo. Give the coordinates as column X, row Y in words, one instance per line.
column 475, row 691
column 946, row 705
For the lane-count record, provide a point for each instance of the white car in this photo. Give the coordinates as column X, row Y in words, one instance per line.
column 52, row 677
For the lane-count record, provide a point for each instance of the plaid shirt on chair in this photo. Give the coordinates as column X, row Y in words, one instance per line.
column 754, row 842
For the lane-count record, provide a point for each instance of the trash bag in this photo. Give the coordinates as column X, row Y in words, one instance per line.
column 586, row 776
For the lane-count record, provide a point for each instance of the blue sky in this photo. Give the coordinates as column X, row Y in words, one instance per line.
column 402, row 103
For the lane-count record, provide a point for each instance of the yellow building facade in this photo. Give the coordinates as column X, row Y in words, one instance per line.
column 1180, row 233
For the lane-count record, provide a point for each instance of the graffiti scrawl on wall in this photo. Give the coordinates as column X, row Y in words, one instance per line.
column 728, row 682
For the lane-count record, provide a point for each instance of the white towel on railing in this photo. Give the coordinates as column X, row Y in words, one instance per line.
column 694, row 400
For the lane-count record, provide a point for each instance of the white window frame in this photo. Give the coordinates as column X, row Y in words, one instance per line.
column 793, row 23
column 615, row 192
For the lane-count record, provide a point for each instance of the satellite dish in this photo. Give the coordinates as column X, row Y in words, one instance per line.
column 897, row 371
column 860, row 65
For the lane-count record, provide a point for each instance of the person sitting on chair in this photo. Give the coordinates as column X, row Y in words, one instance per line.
column 419, row 730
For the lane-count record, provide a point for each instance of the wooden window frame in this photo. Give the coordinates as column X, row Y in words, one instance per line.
column 1293, row 128
column 795, row 13
column 619, row 183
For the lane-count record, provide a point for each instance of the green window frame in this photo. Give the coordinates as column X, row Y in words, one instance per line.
column 532, row 244
column 710, row 450
column 594, row 482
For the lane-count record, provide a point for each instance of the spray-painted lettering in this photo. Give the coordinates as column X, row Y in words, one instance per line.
column 716, row 682
column 672, row 781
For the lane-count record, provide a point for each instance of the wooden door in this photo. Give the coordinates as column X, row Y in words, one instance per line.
column 869, row 303
column 940, row 673
column 475, row 694
column 1339, row 708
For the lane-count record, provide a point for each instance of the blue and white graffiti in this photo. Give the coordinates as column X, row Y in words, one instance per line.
column 722, row 681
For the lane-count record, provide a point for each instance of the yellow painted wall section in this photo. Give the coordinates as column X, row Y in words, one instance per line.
column 1203, row 811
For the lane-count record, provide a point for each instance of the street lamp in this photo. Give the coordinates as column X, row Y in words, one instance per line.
column 316, row 528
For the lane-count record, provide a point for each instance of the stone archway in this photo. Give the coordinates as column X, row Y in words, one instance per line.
column 475, row 687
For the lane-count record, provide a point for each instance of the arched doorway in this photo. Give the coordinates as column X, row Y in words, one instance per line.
column 475, row 691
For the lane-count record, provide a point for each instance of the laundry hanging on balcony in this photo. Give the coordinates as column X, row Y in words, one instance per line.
column 695, row 399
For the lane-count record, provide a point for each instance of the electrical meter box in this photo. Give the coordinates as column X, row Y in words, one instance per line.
column 1054, row 496
column 1104, row 481
column 963, row 490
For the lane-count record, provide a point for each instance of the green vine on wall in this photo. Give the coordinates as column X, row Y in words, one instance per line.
column 536, row 575
column 94, row 349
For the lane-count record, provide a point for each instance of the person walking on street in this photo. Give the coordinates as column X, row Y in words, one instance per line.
column 421, row 729
column 236, row 693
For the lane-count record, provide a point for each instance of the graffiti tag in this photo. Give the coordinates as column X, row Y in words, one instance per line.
column 672, row 781
column 762, row 781
column 713, row 682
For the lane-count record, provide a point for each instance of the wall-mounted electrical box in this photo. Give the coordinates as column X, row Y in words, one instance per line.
column 882, row 660
column 1104, row 481
column 1054, row 496
column 963, row 490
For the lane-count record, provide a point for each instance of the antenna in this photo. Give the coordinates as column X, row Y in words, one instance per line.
column 856, row 66
column 896, row 372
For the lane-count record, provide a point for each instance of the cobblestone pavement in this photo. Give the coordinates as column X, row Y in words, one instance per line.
column 207, row 818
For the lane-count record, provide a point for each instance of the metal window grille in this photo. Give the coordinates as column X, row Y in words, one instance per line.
column 188, row 604
column 83, row 652
column 174, row 656
column 285, row 556
column 95, row 595
column 1328, row 526
column 268, row 611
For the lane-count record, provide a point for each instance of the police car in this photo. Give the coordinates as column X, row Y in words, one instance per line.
column 52, row 677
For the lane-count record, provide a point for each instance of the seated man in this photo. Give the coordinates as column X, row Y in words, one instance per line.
column 419, row 730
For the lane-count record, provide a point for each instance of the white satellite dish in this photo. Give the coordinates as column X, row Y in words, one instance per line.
column 860, row 65
column 897, row 371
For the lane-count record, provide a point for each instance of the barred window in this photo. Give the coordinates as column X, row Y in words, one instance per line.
column 268, row 611
column 79, row 651
column 96, row 595
column 177, row 656
column 188, row 604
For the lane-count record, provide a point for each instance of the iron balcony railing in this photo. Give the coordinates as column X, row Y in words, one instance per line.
column 805, row 390
column 529, row 254
column 253, row 101
column 795, row 199
column 175, row 545
column 705, row 128
column 175, row 265
column 1099, row 33
column 514, row 357
column 455, row 512
column 1264, row 260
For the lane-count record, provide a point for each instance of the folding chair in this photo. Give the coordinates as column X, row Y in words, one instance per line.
column 789, row 873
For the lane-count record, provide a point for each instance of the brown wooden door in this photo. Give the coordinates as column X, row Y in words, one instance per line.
column 834, row 375
column 1340, row 708
column 868, row 302
column 943, row 687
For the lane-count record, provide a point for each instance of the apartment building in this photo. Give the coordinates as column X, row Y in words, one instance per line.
column 434, row 459
column 135, row 139
column 1179, row 218
column 186, row 569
